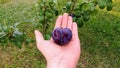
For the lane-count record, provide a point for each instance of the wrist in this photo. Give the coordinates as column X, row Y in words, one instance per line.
column 56, row 65
column 60, row 64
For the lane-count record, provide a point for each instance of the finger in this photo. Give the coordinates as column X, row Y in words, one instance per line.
column 58, row 22
column 74, row 30
column 39, row 37
column 69, row 24
column 65, row 20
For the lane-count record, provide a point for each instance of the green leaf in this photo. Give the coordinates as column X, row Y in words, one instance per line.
column 41, row 19
column 80, row 22
column 95, row 2
column 29, row 40
column 49, row 15
column 55, row 1
column 47, row 36
column 26, row 22
column 102, row 4
column 84, row 7
column 109, row 6
column 86, row 18
column 17, row 32
column 5, row 28
column 68, row 5
column 2, row 34
column 92, row 6
column 56, row 12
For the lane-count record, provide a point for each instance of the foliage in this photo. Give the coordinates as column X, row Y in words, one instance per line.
column 13, row 33
column 79, row 11
column 47, row 11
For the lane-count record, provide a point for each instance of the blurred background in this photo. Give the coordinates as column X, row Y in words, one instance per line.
column 99, row 35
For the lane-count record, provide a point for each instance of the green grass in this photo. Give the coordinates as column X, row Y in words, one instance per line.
column 100, row 38
column 4, row 1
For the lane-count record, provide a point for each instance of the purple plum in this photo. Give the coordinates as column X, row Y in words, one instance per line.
column 62, row 36
column 72, row 15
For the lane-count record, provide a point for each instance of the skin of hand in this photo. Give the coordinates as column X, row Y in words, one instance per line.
column 57, row 56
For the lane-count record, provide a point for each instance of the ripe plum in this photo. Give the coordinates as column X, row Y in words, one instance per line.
column 62, row 36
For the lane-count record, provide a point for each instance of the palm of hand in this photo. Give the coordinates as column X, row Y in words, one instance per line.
column 52, row 51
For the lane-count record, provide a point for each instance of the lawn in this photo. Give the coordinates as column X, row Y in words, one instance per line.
column 100, row 38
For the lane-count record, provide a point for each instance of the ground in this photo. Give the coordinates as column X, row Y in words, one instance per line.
column 100, row 38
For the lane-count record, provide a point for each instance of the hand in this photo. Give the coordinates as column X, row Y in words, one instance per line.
column 57, row 56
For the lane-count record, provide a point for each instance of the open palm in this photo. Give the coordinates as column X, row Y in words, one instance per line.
column 68, row 53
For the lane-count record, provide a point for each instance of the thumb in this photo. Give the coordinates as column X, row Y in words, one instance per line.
column 39, row 37
column 40, row 41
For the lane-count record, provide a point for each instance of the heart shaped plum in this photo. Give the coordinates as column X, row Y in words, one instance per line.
column 62, row 36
